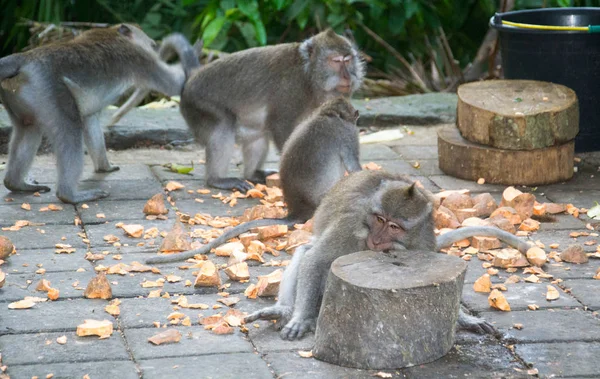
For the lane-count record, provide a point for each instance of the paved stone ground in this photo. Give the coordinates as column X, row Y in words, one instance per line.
column 561, row 339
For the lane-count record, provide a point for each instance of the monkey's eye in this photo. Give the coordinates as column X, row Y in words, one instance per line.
column 395, row 226
column 380, row 220
column 338, row 58
column 347, row 58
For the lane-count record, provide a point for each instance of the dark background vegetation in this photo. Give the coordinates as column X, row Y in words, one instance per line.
column 403, row 39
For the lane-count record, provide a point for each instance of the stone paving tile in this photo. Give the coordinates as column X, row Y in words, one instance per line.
column 48, row 260
column 584, row 180
column 54, row 316
column 291, row 365
column 423, row 136
column 409, row 152
column 142, row 312
column 127, row 189
column 195, row 340
column 15, row 288
column 546, row 325
column 266, row 338
column 132, row 171
column 519, row 295
column 427, row 167
column 587, row 291
column 103, row 369
column 233, row 365
column 197, row 174
column 215, row 207
column 579, row 198
column 373, row 152
column 562, row 238
column 563, row 222
column 32, row 348
column 568, row 360
column 471, row 360
column 565, row 270
column 13, row 211
column 63, row 281
column 97, row 232
column 9, row 197
column 450, row 183
column 130, row 210
column 46, row 237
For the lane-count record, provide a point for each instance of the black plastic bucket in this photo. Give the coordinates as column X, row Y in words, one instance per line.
column 570, row 58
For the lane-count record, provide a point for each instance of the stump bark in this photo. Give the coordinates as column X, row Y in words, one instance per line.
column 383, row 311
column 466, row 160
column 517, row 114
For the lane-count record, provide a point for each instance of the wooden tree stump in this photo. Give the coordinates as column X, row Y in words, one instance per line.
column 517, row 114
column 466, row 160
column 383, row 311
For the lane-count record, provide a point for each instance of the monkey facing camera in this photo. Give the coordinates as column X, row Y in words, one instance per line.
column 249, row 96
column 366, row 210
column 59, row 90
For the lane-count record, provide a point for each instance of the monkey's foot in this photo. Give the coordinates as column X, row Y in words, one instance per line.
column 25, row 187
column 260, row 176
column 475, row 324
column 81, row 196
column 229, row 184
column 296, row 329
column 109, row 168
column 276, row 312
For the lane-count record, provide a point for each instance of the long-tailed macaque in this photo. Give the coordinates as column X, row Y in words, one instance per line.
column 315, row 157
column 368, row 210
column 58, row 90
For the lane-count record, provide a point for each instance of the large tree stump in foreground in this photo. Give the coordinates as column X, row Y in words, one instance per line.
column 466, row 160
column 384, row 311
column 517, row 114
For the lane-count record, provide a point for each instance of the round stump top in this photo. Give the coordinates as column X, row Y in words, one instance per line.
column 517, row 97
column 398, row 269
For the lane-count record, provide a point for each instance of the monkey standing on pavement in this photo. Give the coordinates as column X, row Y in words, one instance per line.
column 254, row 94
column 369, row 210
column 58, row 90
column 314, row 159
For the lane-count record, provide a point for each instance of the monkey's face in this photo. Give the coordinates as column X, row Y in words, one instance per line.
column 341, row 65
column 384, row 232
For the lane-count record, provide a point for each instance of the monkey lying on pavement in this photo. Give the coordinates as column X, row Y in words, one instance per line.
column 58, row 90
column 251, row 95
column 368, row 210
column 314, row 159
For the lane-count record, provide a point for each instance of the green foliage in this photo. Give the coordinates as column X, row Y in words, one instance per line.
column 412, row 27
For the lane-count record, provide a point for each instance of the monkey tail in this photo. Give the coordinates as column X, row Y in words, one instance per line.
column 226, row 236
column 186, row 53
column 9, row 66
column 447, row 239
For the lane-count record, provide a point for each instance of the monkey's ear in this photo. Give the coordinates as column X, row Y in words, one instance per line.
column 125, row 30
column 356, row 114
column 307, row 48
column 410, row 190
column 330, row 33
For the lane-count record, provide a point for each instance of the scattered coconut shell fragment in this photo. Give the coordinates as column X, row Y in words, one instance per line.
column 483, row 284
column 133, row 230
column 498, row 301
column 238, row 271
column 268, row 285
column 103, row 328
column 156, row 206
column 208, row 276
column 574, row 254
column 177, row 240
column 552, row 293
column 536, row 256
column 98, row 288
column 6, row 247
column 168, row 336
column 21, row 304
column 2, row 278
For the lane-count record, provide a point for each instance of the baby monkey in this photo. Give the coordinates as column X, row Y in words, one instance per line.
column 58, row 90
column 315, row 157
column 368, row 210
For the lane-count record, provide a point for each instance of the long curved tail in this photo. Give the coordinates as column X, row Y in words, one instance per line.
column 226, row 236
column 188, row 54
column 9, row 66
column 447, row 239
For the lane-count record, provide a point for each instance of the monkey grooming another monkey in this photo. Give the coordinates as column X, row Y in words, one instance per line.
column 249, row 96
column 369, row 210
column 58, row 90
column 315, row 157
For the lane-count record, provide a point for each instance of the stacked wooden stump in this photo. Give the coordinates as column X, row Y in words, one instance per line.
column 512, row 132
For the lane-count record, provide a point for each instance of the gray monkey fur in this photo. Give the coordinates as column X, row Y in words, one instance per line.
column 308, row 170
column 59, row 90
column 340, row 227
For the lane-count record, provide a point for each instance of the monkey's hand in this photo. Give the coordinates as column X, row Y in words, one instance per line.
column 475, row 324
column 297, row 328
column 276, row 312
column 260, row 176
column 229, row 184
